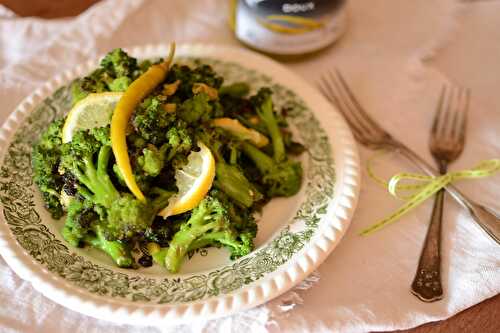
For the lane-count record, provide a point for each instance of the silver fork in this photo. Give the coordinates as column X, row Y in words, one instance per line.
column 369, row 133
column 446, row 144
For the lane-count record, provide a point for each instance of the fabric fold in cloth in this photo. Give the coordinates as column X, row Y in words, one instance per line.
column 396, row 55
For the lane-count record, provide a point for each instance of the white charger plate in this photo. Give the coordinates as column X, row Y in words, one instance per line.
column 295, row 234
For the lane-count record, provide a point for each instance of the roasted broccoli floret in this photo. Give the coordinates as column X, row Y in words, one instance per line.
column 124, row 216
column 117, row 70
column 151, row 121
column 233, row 182
column 81, row 216
column 120, row 84
column 189, row 76
column 197, row 108
column 263, row 105
column 189, row 106
column 280, row 178
column 83, row 226
column 45, row 161
column 179, row 141
column 78, row 158
column 209, row 224
column 118, row 251
column 95, row 82
column 127, row 217
column 242, row 221
column 117, row 63
column 229, row 178
column 152, row 159
column 162, row 231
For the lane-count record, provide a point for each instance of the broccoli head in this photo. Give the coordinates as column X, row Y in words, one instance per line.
column 152, row 160
column 209, row 224
column 117, row 70
column 179, row 140
column 127, row 217
column 78, row 159
column 151, row 122
column 79, row 220
column 123, row 216
column 120, row 84
column 83, row 226
column 190, row 76
column 45, row 159
column 238, row 241
column 118, row 63
column 196, row 108
column 95, row 82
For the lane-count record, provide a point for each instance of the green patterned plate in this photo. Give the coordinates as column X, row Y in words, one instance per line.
column 295, row 234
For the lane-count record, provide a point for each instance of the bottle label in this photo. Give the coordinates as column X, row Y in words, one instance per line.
column 289, row 27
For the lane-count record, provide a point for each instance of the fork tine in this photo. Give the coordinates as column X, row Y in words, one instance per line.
column 343, row 90
column 465, row 111
column 457, row 112
column 450, row 120
column 437, row 114
column 361, row 111
column 328, row 91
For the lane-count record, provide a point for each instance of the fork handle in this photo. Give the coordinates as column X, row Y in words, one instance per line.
column 427, row 282
column 485, row 217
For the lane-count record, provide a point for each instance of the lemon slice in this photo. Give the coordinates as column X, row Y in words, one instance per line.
column 95, row 110
column 236, row 128
column 193, row 180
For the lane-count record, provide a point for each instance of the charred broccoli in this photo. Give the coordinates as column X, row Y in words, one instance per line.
column 45, row 160
column 209, row 224
column 117, row 70
column 263, row 104
column 229, row 178
column 248, row 139
column 279, row 178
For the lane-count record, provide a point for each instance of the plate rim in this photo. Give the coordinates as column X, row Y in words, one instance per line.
column 346, row 194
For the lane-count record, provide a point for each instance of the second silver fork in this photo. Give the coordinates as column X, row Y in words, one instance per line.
column 369, row 133
column 446, row 145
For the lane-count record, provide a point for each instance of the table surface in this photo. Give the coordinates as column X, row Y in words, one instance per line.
column 482, row 317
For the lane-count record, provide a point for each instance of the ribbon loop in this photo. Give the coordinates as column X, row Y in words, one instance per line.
column 423, row 186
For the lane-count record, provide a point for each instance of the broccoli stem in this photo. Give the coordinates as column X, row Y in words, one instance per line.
column 263, row 162
column 181, row 243
column 159, row 256
column 280, row 178
column 98, row 181
column 231, row 181
column 221, row 237
column 266, row 113
column 238, row 89
column 115, row 249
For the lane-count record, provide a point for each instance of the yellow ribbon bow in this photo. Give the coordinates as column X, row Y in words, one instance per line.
column 426, row 187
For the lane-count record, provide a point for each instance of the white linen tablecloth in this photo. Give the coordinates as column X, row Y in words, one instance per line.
column 396, row 54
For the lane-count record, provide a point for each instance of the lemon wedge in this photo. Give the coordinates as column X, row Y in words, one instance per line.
column 236, row 128
column 95, row 110
column 194, row 180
